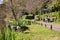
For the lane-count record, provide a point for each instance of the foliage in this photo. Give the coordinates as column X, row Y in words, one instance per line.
column 7, row 34
column 50, row 6
column 20, row 22
column 38, row 33
column 56, row 14
column 30, row 17
column 13, row 23
column 24, row 22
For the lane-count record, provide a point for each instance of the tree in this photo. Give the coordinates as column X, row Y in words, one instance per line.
column 13, row 10
column 16, row 7
column 2, row 21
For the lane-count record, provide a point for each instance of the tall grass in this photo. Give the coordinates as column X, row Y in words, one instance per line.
column 36, row 33
column 20, row 22
column 7, row 34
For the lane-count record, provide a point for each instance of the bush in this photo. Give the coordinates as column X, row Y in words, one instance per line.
column 20, row 22
column 29, row 17
column 29, row 22
column 13, row 23
column 7, row 34
column 24, row 22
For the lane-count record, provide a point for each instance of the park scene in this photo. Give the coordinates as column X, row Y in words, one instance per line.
column 29, row 19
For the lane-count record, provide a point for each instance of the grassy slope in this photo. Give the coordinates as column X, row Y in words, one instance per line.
column 38, row 33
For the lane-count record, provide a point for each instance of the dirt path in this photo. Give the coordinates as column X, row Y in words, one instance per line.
column 52, row 26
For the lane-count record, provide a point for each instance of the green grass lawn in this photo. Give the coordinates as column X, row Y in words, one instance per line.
column 38, row 32
column 57, row 22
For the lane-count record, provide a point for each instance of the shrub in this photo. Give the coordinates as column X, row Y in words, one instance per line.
column 29, row 17
column 20, row 22
column 7, row 34
column 13, row 23
column 24, row 22
column 29, row 22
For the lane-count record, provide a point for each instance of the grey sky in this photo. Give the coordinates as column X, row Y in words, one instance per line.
column 1, row 1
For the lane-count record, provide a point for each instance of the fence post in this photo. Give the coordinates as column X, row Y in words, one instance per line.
column 45, row 25
column 51, row 27
column 41, row 24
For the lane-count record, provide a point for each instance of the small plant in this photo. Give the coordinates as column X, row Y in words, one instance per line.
column 19, row 23
column 13, row 23
column 30, row 17
column 24, row 22
column 7, row 34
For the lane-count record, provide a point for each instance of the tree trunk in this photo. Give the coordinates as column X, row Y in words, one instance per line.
column 2, row 21
column 2, row 24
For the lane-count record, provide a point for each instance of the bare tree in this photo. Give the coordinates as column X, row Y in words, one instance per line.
column 17, row 7
column 13, row 10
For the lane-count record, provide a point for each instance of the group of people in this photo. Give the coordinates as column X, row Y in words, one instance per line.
column 49, row 19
